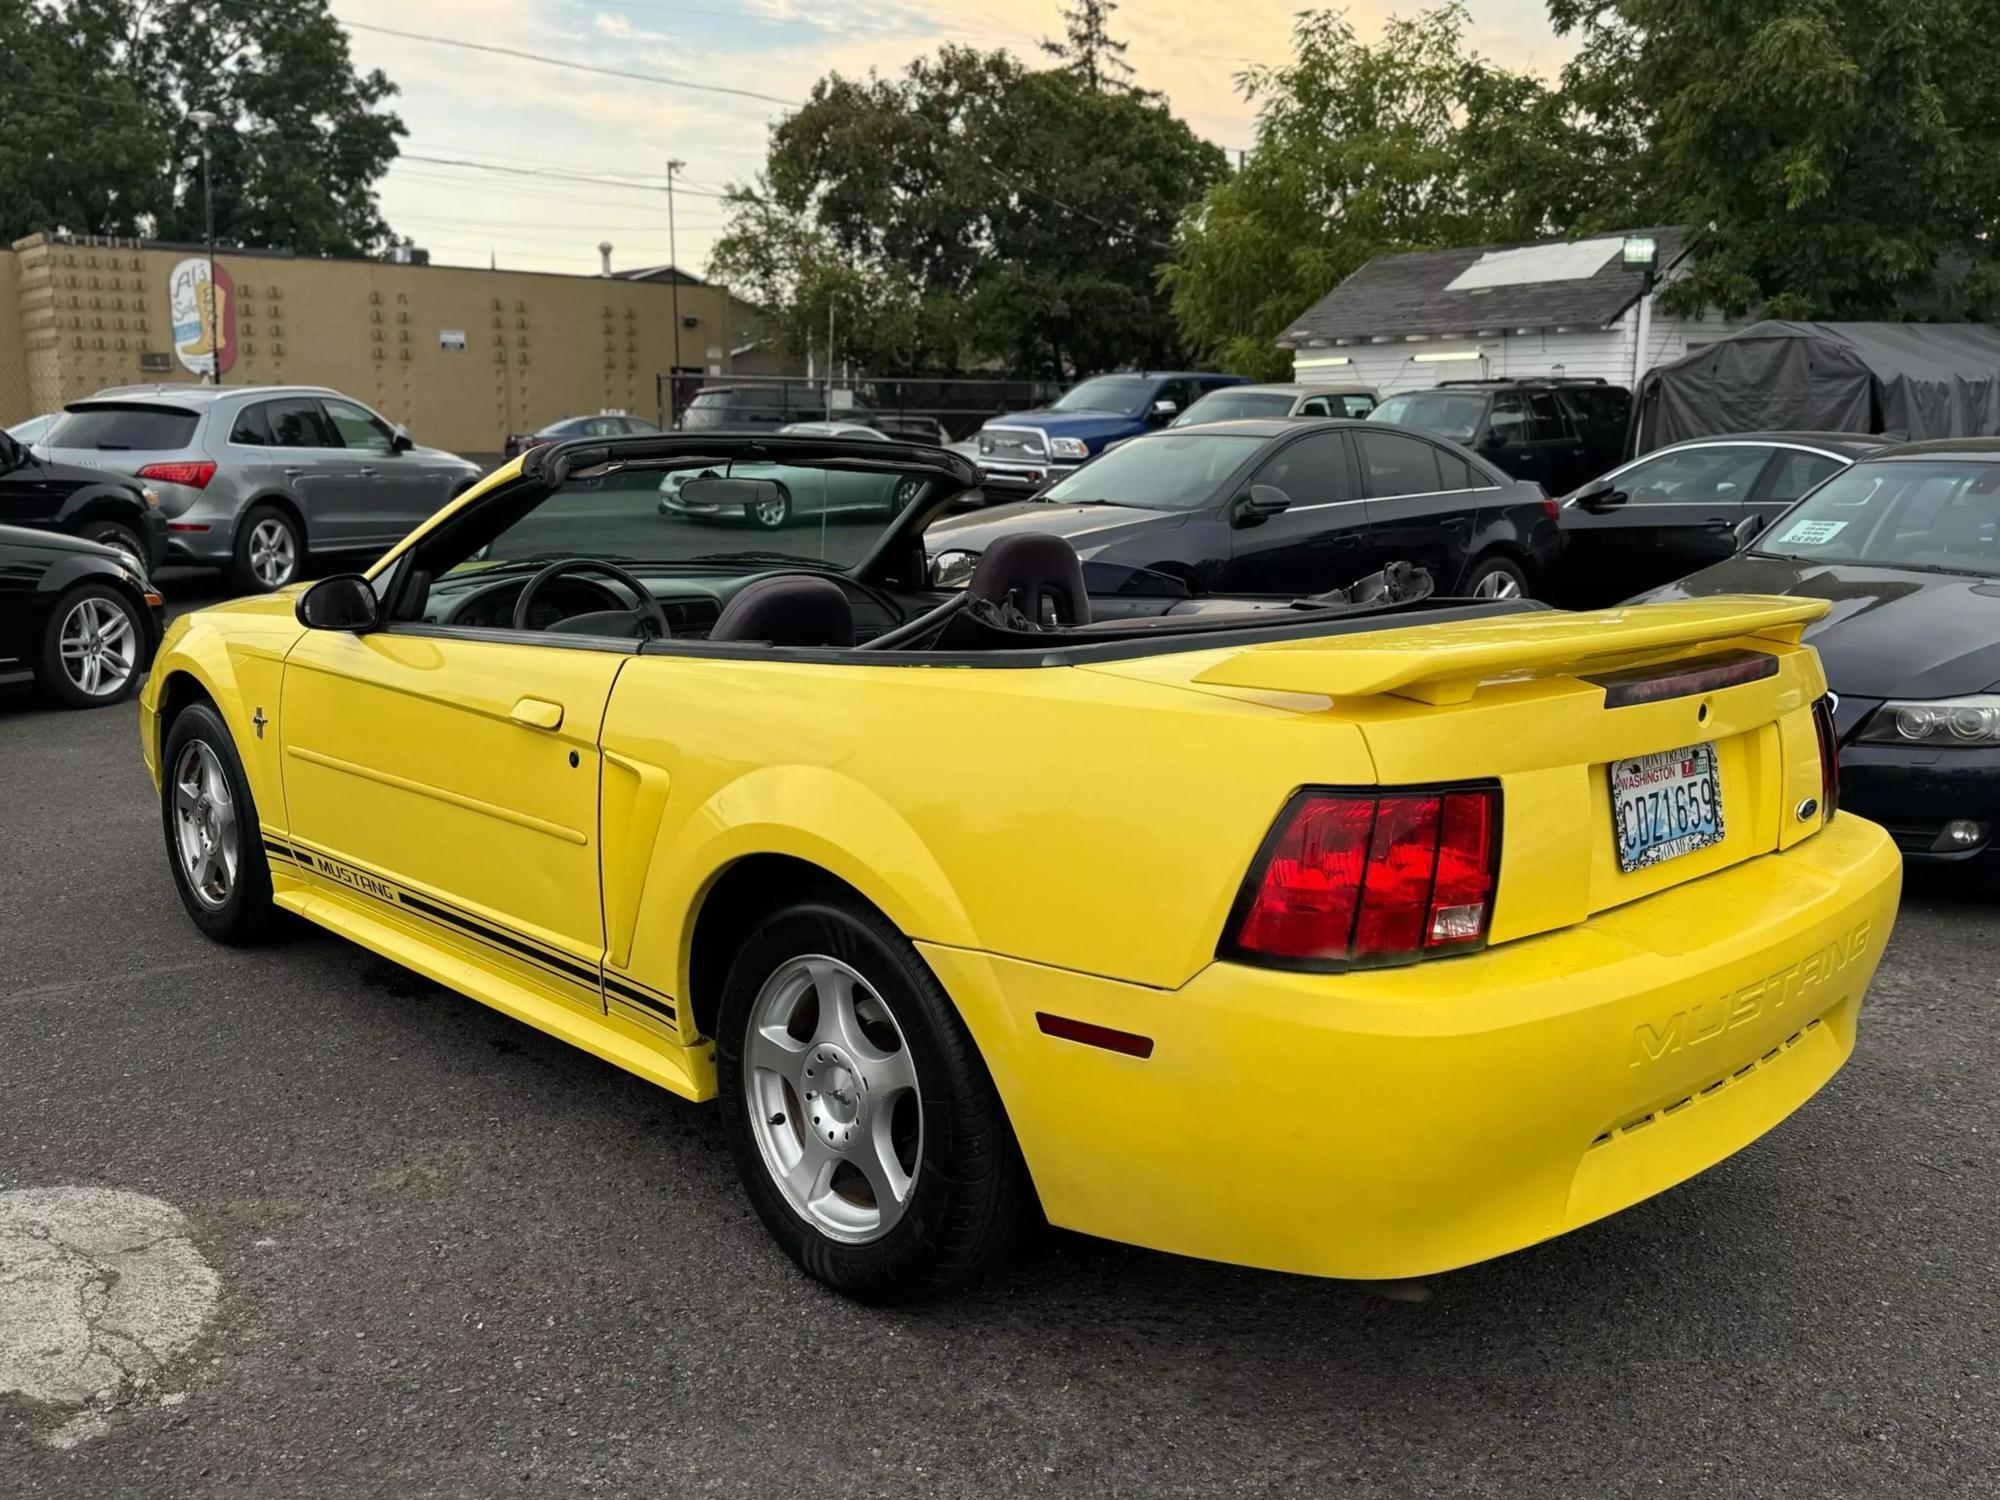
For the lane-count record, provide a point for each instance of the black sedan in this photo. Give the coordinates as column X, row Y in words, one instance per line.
column 83, row 502
column 80, row 616
column 1284, row 507
column 1906, row 547
column 1662, row 516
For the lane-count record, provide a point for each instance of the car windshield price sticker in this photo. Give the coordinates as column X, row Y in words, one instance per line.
column 1813, row 533
column 1665, row 805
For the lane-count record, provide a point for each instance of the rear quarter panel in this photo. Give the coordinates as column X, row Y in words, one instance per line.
column 1052, row 814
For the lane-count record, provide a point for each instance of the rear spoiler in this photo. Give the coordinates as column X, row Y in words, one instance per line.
column 1446, row 662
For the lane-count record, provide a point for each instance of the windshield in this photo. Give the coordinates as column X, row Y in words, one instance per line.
column 1449, row 414
column 1937, row 515
column 1230, row 406
column 1166, row 471
column 761, row 515
column 1120, row 393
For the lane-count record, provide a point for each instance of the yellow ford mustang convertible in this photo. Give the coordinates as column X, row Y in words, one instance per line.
column 1364, row 935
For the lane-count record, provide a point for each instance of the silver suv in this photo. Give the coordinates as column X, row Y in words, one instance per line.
column 253, row 478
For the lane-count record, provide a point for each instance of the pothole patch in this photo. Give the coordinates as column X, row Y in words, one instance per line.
column 99, row 1291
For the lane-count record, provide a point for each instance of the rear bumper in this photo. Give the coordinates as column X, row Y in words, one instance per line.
column 1407, row 1121
column 1914, row 792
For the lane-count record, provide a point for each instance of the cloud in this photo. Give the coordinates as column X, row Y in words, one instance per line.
column 530, row 116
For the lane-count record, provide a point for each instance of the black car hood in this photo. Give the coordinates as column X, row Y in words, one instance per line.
column 53, row 542
column 1088, row 528
column 1892, row 633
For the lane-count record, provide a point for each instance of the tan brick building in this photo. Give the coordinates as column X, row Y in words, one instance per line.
column 461, row 356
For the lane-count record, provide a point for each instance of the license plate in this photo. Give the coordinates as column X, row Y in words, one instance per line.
column 1665, row 805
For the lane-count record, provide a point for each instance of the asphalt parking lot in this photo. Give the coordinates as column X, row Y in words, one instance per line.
column 452, row 1257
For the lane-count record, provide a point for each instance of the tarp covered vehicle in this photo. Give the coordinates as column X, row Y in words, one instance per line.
column 1918, row 380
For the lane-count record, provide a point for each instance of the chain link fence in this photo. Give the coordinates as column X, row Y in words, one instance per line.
column 936, row 409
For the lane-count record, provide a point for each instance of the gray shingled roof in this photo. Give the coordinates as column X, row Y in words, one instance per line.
column 1395, row 296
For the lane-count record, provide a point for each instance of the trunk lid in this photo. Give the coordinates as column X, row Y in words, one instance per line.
column 1527, row 700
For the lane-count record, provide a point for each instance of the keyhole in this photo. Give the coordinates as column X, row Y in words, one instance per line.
column 573, row 759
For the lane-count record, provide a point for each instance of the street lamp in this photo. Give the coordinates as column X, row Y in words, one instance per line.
column 1641, row 253
column 674, row 281
column 204, row 121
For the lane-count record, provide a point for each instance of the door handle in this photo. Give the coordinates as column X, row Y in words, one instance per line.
column 293, row 473
column 537, row 713
column 366, row 473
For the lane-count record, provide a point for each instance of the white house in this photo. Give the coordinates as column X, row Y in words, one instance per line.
column 1567, row 308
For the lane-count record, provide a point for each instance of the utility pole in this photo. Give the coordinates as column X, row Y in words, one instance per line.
column 674, row 280
column 203, row 121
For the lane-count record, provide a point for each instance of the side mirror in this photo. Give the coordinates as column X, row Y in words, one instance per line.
column 1163, row 409
column 346, row 601
column 1259, row 504
column 1600, row 498
column 1747, row 531
column 400, row 439
column 1493, row 437
column 12, row 454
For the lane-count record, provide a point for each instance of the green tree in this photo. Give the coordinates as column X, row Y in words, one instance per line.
column 1087, row 48
column 1412, row 143
column 979, row 209
column 101, row 139
column 1835, row 153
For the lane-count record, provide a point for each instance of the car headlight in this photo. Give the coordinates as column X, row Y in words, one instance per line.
column 1940, row 722
column 1068, row 448
column 953, row 570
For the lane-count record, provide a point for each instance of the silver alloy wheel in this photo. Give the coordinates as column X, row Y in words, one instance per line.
column 831, row 1090
column 99, row 647
column 771, row 513
column 1499, row 584
column 274, row 554
column 205, row 825
column 120, row 541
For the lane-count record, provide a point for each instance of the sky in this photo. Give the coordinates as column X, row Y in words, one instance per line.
column 547, row 126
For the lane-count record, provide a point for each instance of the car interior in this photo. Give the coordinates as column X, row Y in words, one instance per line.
column 592, row 555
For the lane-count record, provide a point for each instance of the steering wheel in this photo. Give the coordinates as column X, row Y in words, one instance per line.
column 647, row 622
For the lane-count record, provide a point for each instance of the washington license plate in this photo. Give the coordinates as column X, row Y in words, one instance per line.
column 1665, row 805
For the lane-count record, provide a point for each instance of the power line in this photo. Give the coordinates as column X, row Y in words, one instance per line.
column 578, row 67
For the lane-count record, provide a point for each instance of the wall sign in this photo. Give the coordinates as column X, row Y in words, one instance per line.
column 452, row 339
column 204, row 343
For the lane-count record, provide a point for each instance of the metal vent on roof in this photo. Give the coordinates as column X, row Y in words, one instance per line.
column 1535, row 264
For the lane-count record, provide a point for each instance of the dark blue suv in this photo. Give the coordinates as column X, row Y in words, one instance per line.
column 1026, row 450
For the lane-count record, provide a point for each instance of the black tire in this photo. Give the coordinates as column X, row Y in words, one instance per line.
column 117, row 534
column 243, row 570
column 776, row 517
column 247, row 915
column 971, row 1198
column 52, row 673
column 1497, row 578
column 903, row 493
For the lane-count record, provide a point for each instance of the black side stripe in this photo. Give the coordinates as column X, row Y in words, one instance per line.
column 499, row 939
column 632, row 994
column 557, row 963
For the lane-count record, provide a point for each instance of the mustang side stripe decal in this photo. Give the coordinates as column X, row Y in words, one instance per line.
column 517, row 944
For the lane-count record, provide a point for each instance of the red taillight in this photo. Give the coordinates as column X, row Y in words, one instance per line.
column 1366, row 877
column 1829, row 759
column 1551, row 509
column 194, row 475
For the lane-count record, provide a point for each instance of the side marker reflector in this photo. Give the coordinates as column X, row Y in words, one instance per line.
column 1130, row 1043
